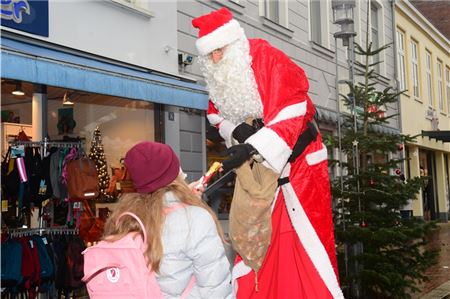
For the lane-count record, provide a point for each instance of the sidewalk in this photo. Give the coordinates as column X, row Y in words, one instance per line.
column 438, row 286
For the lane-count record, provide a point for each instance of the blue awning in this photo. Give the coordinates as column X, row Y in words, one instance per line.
column 38, row 64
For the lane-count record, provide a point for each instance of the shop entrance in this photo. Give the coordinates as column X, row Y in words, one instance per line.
column 429, row 191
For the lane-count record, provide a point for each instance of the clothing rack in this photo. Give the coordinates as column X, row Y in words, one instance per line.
column 20, row 232
column 46, row 143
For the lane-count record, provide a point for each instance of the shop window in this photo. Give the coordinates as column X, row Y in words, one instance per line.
column 220, row 199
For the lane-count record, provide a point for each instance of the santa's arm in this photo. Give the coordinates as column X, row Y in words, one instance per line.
column 277, row 138
column 287, row 109
column 225, row 127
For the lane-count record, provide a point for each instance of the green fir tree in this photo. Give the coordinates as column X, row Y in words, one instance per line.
column 380, row 254
column 97, row 154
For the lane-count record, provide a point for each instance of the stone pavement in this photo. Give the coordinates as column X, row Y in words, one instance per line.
column 438, row 286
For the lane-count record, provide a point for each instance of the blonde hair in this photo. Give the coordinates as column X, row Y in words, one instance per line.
column 149, row 207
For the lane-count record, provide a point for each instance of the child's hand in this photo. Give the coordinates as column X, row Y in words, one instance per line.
column 197, row 188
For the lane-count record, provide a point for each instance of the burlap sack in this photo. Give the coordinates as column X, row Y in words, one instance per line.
column 250, row 213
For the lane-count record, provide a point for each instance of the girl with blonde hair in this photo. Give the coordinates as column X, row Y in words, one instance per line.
column 184, row 237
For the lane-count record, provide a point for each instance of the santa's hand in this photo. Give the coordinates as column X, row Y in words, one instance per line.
column 242, row 132
column 238, row 154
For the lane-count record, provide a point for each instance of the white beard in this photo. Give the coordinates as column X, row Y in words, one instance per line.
column 231, row 83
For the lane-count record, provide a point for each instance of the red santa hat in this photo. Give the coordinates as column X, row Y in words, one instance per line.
column 216, row 29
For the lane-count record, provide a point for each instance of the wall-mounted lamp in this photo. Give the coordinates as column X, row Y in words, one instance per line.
column 66, row 100
column 18, row 90
column 185, row 59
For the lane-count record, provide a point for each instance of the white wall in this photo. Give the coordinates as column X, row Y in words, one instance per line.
column 106, row 29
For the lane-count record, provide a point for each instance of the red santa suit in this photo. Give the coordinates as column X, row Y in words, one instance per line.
column 301, row 260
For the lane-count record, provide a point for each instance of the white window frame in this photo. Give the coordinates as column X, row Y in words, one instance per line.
column 324, row 9
column 447, row 83
column 429, row 77
column 440, row 85
column 380, row 69
column 415, row 69
column 140, row 7
column 401, row 59
column 281, row 6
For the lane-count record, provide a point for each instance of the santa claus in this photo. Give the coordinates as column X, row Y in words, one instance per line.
column 248, row 78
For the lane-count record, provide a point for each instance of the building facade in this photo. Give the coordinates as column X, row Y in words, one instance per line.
column 423, row 57
column 304, row 31
column 116, row 61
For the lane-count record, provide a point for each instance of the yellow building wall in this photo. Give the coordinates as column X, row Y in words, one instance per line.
column 414, row 110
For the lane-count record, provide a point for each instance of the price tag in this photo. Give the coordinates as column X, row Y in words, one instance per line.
column 44, row 239
column 42, row 187
column 31, row 244
column 18, row 151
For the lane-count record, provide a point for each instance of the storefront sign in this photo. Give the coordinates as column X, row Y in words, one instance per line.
column 25, row 15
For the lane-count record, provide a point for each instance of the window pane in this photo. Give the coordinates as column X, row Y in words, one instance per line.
column 272, row 10
column 315, row 21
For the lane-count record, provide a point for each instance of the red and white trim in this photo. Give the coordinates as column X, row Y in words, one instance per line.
column 272, row 147
column 309, row 238
column 317, row 156
column 214, row 118
column 226, row 128
column 289, row 112
column 222, row 36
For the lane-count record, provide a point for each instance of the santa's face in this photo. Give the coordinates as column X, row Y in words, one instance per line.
column 216, row 55
column 231, row 82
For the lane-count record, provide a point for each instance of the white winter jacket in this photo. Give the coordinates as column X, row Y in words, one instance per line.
column 192, row 246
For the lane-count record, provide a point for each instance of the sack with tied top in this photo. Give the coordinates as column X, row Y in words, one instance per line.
column 82, row 179
column 250, row 213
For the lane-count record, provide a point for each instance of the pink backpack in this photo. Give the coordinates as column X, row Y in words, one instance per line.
column 118, row 269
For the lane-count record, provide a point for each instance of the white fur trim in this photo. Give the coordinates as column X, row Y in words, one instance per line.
column 240, row 269
column 226, row 127
column 318, row 156
column 288, row 112
column 309, row 238
column 222, row 36
column 272, row 147
column 214, row 118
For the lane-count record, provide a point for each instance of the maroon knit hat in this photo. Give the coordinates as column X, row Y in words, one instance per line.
column 151, row 166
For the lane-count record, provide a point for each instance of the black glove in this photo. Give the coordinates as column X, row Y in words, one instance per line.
column 242, row 132
column 238, row 154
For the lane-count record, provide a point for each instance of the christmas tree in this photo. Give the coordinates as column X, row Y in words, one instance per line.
column 380, row 254
column 97, row 154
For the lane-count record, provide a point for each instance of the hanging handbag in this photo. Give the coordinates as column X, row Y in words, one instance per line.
column 91, row 227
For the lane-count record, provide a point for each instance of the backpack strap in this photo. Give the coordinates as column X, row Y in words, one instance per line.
column 138, row 220
column 188, row 289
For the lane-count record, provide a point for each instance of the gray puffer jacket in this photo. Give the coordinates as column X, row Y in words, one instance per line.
column 192, row 246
